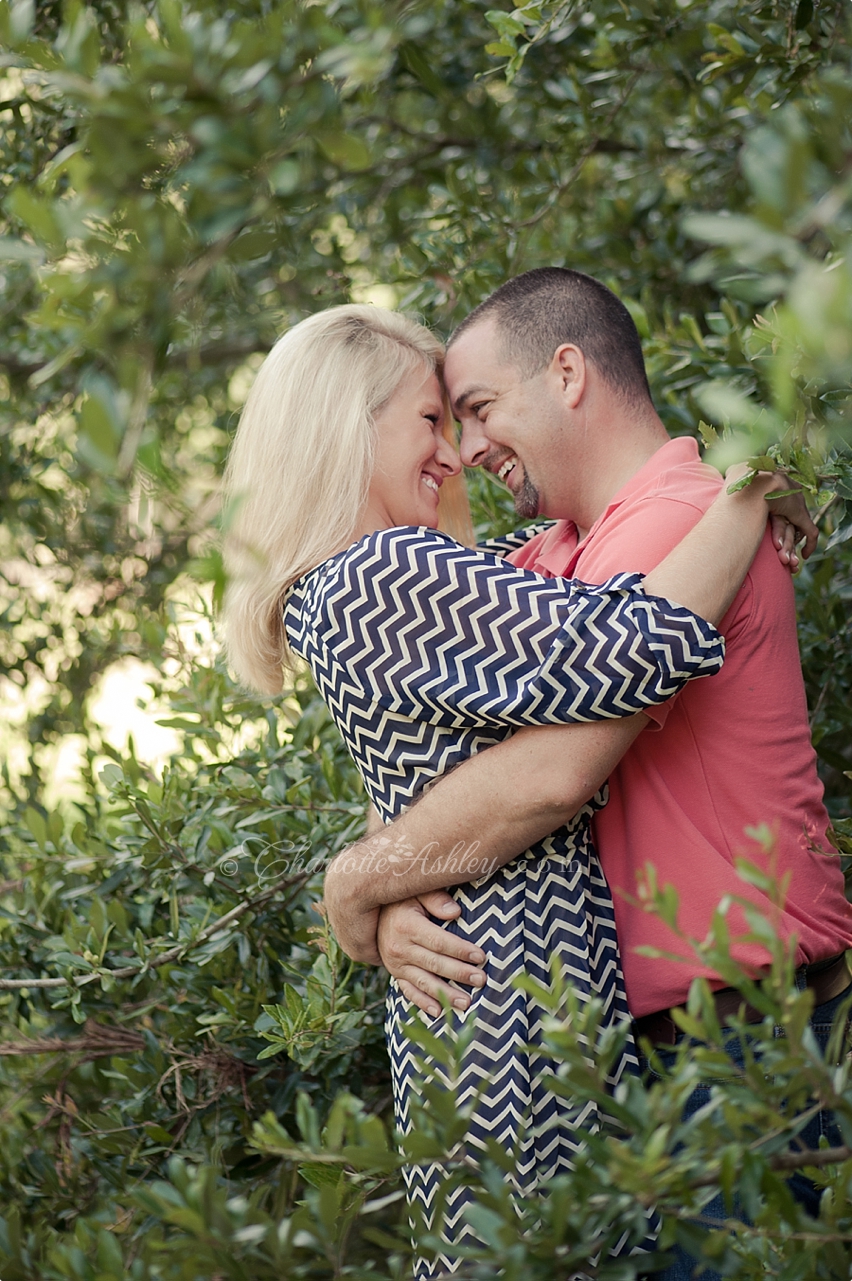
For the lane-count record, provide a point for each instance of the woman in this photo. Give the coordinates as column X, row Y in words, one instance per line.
column 427, row 651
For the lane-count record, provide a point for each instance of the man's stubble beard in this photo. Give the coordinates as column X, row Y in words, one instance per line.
column 527, row 499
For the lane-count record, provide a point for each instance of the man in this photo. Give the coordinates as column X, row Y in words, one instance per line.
column 548, row 382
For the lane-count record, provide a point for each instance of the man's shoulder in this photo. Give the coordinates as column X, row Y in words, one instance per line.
column 676, row 472
column 640, row 533
column 653, row 511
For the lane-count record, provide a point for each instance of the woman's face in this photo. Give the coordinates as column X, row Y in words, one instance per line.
column 412, row 458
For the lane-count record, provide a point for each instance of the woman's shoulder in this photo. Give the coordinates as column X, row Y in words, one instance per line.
column 402, row 544
column 382, row 563
column 384, row 542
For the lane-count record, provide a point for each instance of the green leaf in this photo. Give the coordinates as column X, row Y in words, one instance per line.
column 285, row 177
column 418, row 64
column 14, row 250
column 804, row 14
column 36, row 825
column 321, row 1175
column 38, row 215
column 344, row 149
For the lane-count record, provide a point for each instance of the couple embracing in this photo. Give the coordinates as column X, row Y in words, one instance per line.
column 568, row 651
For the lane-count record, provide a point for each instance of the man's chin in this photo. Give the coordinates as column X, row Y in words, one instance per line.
column 527, row 500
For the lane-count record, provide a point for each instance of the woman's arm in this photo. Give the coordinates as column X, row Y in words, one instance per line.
column 705, row 570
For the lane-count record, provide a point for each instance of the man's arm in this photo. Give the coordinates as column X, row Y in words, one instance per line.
column 473, row 821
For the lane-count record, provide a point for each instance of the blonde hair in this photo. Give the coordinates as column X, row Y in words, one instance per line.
column 300, row 466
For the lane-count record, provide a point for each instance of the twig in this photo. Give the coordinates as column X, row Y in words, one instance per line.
column 779, row 1234
column 595, row 144
column 173, row 954
column 212, row 354
column 98, row 1041
column 788, row 1161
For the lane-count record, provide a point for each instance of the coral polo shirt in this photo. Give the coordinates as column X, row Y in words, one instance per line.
column 730, row 752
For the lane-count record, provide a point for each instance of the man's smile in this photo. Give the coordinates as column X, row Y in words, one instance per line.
column 506, row 467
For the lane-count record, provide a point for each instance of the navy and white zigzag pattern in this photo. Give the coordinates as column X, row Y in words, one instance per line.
column 523, row 915
column 426, row 652
column 502, row 544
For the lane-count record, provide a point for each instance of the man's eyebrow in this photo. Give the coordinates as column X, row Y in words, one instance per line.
column 461, row 401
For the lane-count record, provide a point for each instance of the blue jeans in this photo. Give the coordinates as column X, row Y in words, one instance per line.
column 819, row 1126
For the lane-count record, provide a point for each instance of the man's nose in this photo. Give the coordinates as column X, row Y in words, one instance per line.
column 474, row 444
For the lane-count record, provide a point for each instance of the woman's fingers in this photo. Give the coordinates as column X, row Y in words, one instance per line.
column 428, row 992
column 784, row 538
column 791, row 507
column 788, row 506
column 439, row 903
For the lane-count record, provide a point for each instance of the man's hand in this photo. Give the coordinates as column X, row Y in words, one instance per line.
column 420, row 955
column 354, row 926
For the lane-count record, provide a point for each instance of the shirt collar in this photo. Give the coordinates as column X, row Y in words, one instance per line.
column 560, row 544
column 675, row 453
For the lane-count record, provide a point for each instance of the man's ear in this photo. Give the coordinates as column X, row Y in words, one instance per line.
column 569, row 367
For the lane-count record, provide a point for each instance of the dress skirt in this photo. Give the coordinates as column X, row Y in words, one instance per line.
column 536, row 908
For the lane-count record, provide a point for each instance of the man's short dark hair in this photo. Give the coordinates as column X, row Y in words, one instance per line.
column 544, row 308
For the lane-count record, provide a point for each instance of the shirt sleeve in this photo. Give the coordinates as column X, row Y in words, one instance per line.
column 448, row 634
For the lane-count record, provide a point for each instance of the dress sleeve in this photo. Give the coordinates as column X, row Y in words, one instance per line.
column 506, row 543
column 448, row 634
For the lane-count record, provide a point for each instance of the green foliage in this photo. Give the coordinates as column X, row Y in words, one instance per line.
column 156, row 927
column 193, row 1080
column 183, row 181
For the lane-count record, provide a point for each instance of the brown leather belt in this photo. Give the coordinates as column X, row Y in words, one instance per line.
column 826, row 979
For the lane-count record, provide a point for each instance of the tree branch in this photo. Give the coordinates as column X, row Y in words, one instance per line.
column 165, row 958
column 788, row 1161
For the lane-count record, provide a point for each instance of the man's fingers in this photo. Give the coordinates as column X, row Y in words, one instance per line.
column 432, row 950
column 434, row 963
column 418, row 998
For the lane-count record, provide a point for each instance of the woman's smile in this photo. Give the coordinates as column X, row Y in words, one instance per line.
column 412, row 457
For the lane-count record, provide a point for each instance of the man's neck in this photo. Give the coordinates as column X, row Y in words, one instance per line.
column 626, row 453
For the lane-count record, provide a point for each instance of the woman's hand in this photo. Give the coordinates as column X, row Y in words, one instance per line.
column 421, row 956
column 789, row 517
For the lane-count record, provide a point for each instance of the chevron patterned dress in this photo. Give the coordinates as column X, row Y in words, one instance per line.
column 427, row 652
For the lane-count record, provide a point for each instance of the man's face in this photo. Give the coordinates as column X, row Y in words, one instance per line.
column 514, row 427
